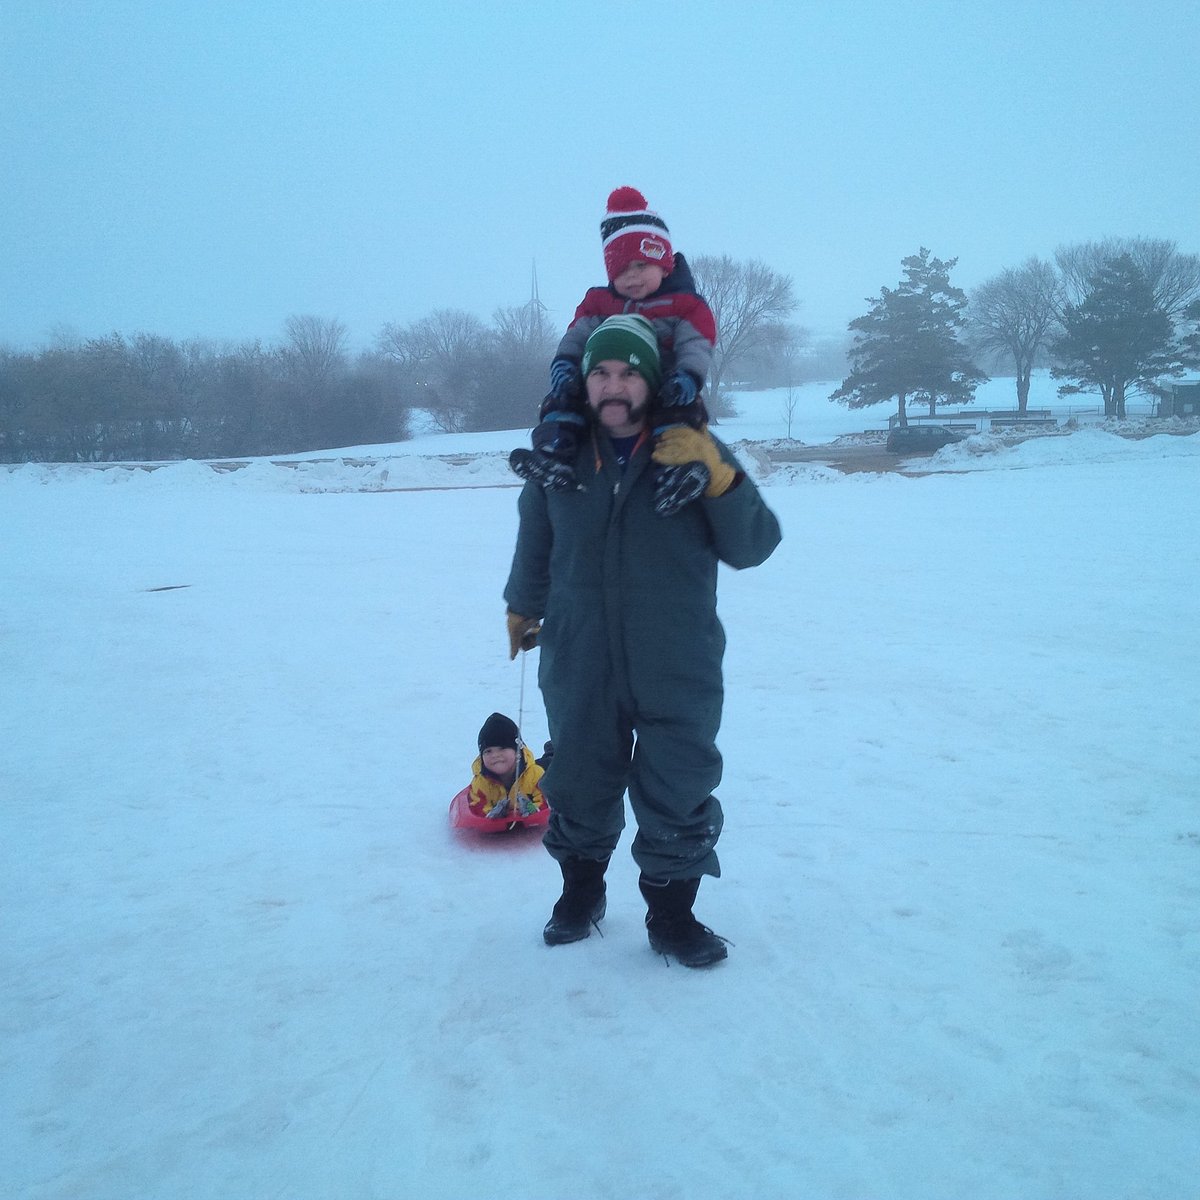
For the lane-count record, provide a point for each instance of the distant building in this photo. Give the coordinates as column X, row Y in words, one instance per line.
column 1181, row 399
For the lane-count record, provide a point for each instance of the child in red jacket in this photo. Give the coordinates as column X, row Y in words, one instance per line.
column 648, row 278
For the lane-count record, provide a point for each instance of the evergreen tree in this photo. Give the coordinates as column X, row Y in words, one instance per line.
column 1119, row 338
column 906, row 347
column 1191, row 337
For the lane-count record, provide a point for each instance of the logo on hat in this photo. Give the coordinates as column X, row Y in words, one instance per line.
column 653, row 248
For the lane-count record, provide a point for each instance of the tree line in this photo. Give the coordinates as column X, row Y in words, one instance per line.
column 1113, row 318
column 150, row 398
column 147, row 397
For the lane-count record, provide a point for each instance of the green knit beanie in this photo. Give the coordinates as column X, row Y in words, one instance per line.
column 628, row 339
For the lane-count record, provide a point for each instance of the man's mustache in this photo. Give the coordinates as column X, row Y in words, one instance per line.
column 634, row 411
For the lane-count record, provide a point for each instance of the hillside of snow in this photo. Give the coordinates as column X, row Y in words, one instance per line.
column 246, row 957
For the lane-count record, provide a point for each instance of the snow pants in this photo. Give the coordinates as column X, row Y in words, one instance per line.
column 669, row 763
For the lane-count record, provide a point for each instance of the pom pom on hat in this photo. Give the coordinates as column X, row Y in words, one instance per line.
column 630, row 232
column 626, row 199
column 499, row 730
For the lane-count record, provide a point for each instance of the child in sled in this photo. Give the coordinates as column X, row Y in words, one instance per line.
column 645, row 277
column 492, row 793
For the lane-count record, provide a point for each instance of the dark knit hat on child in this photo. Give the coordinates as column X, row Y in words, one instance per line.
column 499, row 730
column 627, row 338
column 632, row 233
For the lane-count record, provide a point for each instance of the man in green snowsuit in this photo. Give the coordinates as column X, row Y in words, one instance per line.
column 631, row 646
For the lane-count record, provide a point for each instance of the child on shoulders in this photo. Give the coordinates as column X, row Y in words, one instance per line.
column 648, row 278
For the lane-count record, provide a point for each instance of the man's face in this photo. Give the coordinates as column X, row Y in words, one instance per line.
column 618, row 394
column 639, row 280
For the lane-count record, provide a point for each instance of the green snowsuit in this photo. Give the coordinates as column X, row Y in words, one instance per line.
column 631, row 645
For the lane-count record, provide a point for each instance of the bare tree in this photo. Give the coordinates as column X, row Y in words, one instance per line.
column 789, row 353
column 313, row 362
column 512, row 377
column 789, row 409
column 316, row 347
column 1013, row 315
column 440, row 354
column 751, row 303
column 780, row 360
column 525, row 327
column 401, row 345
column 1174, row 278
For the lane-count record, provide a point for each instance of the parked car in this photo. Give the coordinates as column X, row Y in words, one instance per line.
column 920, row 439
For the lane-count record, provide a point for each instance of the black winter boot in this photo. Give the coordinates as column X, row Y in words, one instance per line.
column 556, row 441
column 582, row 903
column 677, row 486
column 672, row 929
column 542, row 469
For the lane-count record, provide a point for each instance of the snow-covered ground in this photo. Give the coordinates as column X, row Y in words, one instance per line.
column 245, row 957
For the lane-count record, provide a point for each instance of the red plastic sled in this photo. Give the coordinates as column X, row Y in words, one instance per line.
column 461, row 817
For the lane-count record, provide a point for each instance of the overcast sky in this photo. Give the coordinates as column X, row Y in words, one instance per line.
column 208, row 168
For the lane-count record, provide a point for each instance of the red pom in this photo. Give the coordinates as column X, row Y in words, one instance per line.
column 626, row 199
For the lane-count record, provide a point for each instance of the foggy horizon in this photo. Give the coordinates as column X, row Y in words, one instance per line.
column 208, row 172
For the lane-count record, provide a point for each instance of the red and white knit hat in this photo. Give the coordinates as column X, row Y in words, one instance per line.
column 631, row 232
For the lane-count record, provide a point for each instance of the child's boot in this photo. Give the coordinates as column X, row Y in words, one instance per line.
column 582, row 903
column 551, row 462
column 556, row 438
column 672, row 929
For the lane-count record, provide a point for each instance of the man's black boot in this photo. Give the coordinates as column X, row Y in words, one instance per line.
column 672, row 929
column 582, row 903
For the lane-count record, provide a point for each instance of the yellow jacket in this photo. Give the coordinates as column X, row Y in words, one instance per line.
column 487, row 792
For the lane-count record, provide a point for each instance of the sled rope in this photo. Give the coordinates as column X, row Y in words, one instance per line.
column 513, row 806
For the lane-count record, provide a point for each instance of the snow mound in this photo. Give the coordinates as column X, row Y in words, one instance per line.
column 993, row 452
